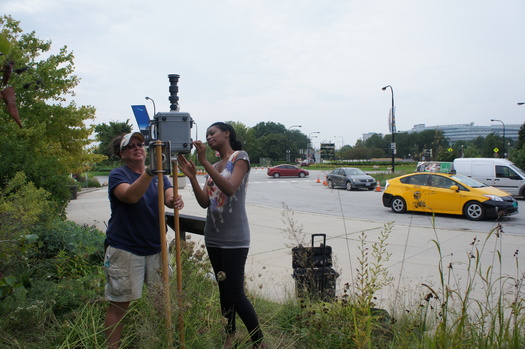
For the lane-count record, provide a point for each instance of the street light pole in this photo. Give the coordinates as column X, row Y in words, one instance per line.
column 196, row 130
column 288, row 142
column 342, row 141
column 308, row 144
column 154, row 108
column 392, row 126
column 504, row 154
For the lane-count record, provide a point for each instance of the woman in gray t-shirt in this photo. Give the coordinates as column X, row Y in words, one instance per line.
column 227, row 233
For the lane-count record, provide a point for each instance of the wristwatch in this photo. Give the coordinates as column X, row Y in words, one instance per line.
column 150, row 172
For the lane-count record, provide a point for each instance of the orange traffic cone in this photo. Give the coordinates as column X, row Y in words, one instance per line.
column 324, row 182
column 378, row 186
column 318, row 180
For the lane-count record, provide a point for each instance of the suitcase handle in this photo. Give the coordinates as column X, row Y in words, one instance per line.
column 324, row 247
column 324, row 239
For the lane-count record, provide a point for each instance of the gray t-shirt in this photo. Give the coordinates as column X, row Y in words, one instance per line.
column 226, row 219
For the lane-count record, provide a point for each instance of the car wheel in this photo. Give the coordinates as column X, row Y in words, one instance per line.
column 301, row 174
column 276, row 175
column 330, row 184
column 474, row 211
column 371, row 188
column 398, row 204
column 348, row 185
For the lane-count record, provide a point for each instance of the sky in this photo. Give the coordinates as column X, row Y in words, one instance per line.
column 318, row 64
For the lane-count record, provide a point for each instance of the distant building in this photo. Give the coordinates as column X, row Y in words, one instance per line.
column 469, row 132
column 370, row 134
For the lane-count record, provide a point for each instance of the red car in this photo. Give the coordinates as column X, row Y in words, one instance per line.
column 287, row 170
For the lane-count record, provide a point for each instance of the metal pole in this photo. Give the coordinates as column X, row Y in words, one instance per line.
column 154, row 107
column 504, row 145
column 178, row 261
column 288, row 143
column 503, row 148
column 308, row 146
column 392, row 127
column 163, row 243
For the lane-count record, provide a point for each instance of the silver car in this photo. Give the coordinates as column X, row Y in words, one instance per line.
column 350, row 178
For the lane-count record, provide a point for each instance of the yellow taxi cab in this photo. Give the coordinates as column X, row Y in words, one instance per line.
column 447, row 193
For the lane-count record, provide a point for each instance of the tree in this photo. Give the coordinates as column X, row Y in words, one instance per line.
column 471, row 151
column 521, row 137
column 266, row 128
column 518, row 155
column 249, row 142
column 345, row 153
column 376, row 142
column 106, row 133
column 491, row 142
column 290, row 139
column 427, row 143
column 274, row 146
column 54, row 140
column 358, row 153
column 296, row 141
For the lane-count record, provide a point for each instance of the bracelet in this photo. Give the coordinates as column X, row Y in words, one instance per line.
column 150, row 172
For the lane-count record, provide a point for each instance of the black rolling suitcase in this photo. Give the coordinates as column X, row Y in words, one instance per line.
column 313, row 274
column 312, row 257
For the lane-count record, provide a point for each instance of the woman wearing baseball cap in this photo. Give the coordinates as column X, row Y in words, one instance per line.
column 132, row 256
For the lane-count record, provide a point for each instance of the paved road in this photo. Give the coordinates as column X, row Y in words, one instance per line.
column 345, row 217
column 305, row 194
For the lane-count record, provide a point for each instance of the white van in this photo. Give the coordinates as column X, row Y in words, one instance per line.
column 499, row 173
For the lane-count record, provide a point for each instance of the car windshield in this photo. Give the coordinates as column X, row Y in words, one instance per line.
column 468, row 181
column 354, row 171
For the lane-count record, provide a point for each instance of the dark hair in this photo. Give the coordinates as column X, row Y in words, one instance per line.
column 114, row 146
column 234, row 143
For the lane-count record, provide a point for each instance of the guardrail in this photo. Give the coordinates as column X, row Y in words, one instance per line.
column 187, row 223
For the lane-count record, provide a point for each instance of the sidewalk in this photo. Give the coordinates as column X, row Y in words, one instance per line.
column 414, row 256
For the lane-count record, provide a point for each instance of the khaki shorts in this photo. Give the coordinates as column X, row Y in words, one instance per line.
column 126, row 274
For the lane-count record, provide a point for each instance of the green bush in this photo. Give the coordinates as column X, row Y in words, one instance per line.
column 92, row 182
column 82, row 240
column 61, row 274
column 22, row 207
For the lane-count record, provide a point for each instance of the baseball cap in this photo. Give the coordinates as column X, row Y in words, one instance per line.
column 127, row 137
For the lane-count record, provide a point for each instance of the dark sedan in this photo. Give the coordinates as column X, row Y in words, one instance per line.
column 350, row 178
column 287, row 170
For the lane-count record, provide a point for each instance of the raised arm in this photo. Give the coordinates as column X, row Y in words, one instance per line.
column 131, row 193
column 190, row 170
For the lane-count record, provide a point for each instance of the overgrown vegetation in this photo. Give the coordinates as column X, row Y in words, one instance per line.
column 51, row 288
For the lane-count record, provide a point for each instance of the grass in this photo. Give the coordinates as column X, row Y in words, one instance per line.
column 450, row 314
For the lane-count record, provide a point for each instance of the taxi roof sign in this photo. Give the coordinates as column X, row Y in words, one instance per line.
column 435, row 166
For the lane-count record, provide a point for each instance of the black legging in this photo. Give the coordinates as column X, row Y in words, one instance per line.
column 233, row 299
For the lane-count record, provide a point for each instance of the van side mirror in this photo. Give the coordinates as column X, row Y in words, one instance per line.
column 454, row 187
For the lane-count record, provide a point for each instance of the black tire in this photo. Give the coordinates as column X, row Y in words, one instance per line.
column 474, row 211
column 398, row 204
column 349, row 186
column 371, row 188
column 301, row 175
column 330, row 184
column 276, row 175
